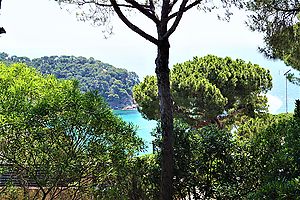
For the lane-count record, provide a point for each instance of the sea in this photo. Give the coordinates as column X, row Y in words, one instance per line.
column 144, row 126
column 281, row 99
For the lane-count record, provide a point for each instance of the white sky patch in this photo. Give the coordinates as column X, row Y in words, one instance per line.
column 37, row 28
column 274, row 103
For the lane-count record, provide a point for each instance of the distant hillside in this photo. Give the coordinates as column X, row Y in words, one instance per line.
column 114, row 84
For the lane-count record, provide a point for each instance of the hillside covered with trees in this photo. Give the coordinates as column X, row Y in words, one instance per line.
column 113, row 84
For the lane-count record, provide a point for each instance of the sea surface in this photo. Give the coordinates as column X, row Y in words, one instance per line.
column 144, row 127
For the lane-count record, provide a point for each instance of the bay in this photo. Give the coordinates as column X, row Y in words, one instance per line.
column 144, row 127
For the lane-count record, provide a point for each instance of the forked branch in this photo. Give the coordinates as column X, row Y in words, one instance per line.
column 177, row 19
column 83, row 2
column 131, row 25
column 186, row 8
column 142, row 8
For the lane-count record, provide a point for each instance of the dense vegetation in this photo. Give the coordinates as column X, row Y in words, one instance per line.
column 279, row 21
column 60, row 138
column 113, row 84
column 72, row 146
column 260, row 160
column 208, row 89
column 69, row 142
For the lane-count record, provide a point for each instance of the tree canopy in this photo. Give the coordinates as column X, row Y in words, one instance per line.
column 269, row 157
column 113, row 84
column 165, row 16
column 59, row 137
column 208, row 88
column 279, row 20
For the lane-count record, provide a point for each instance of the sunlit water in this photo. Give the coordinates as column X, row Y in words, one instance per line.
column 144, row 127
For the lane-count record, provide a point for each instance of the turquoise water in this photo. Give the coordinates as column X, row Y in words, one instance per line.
column 144, row 127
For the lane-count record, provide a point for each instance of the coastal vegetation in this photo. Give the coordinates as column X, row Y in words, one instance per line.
column 57, row 139
column 279, row 21
column 209, row 89
column 280, row 24
column 68, row 144
column 222, row 144
column 260, row 160
column 251, row 155
column 164, row 18
column 113, row 84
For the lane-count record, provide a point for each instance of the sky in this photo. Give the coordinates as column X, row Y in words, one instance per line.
column 37, row 28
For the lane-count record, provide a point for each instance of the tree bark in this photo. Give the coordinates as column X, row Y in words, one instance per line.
column 166, row 111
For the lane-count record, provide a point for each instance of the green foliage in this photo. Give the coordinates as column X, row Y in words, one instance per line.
column 208, row 87
column 278, row 190
column 55, row 135
column 293, row 78
column 297, row 110
column 279, row 20
column 268, row 158
column 284, row 45
column 146, row 94
column 138, row 178
column 258, row 161
column 203, row 161
column 144, row 177
column 113, row 84
column 58, row 136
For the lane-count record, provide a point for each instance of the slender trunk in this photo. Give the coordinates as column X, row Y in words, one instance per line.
column 163, row 81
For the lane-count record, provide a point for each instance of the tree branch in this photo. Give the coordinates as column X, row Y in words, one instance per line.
column 147, row 10
column 172, row 4
column 2, row 30
column 199, row 123
column 185, row 9
column 177, row 20
column 83, row 2
column 218, row 119
column 142, row 9
column 131, row 25
column 163, row 26
column 165, row 9
column 151, row 5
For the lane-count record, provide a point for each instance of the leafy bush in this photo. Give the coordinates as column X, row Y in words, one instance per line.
column 203, row 161
column 54, row 135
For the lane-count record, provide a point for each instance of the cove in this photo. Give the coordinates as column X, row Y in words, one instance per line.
column 144, row 127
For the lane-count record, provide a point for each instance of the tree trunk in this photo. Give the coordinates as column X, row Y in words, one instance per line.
column 166, row 111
